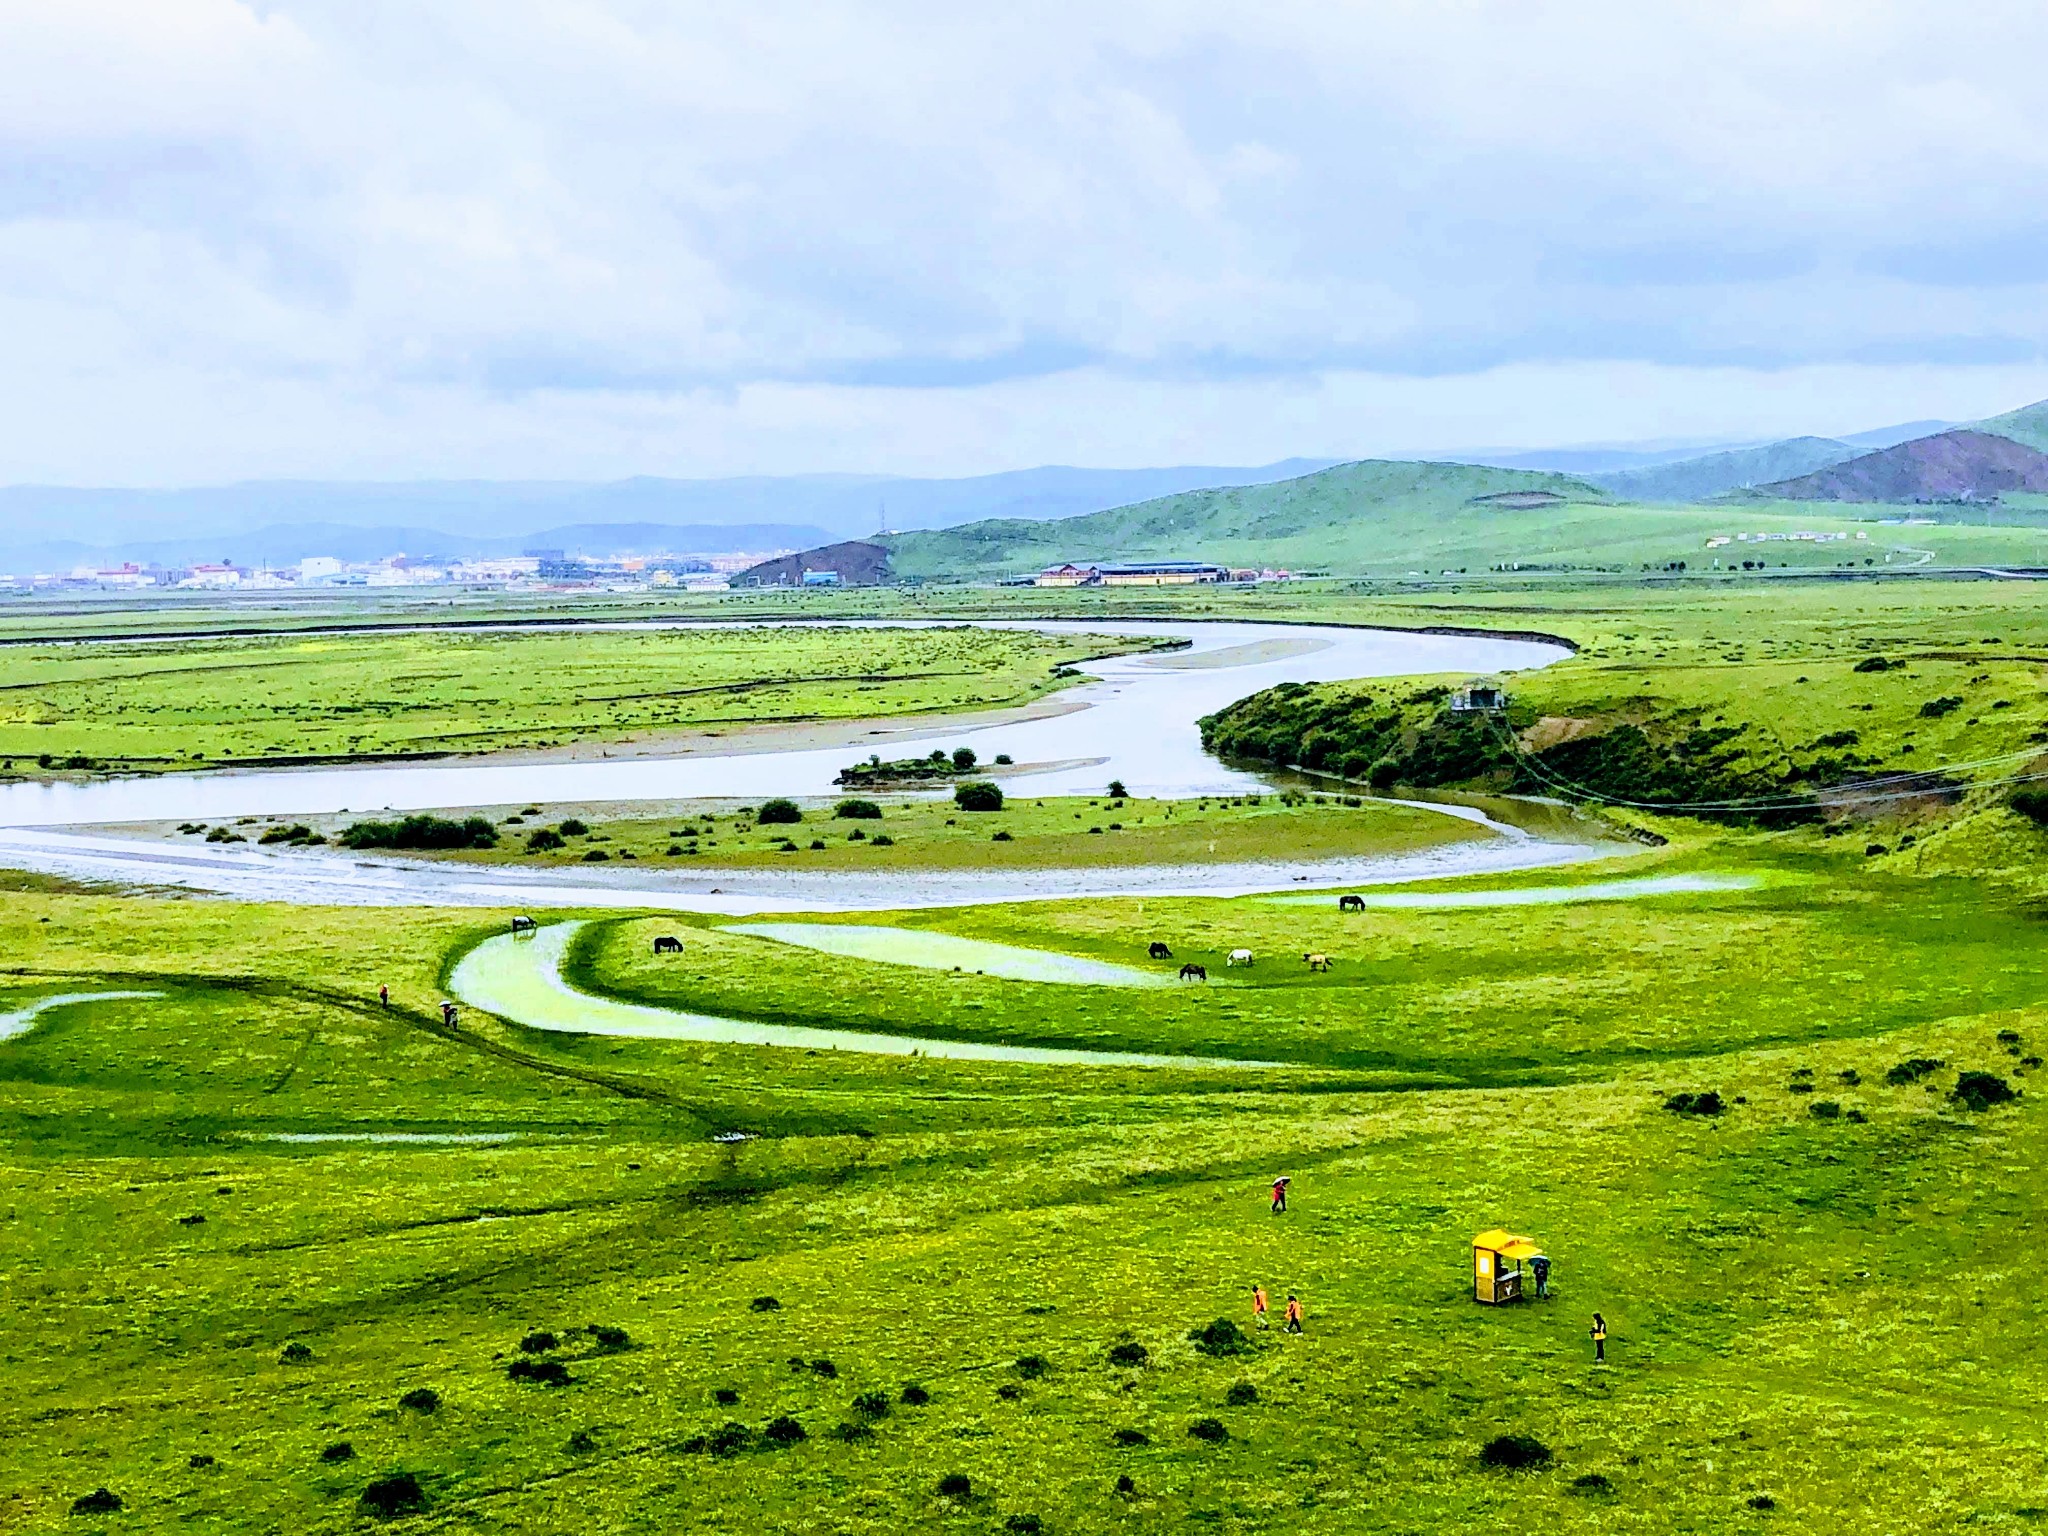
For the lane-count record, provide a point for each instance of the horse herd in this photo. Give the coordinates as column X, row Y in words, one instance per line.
column 1315, row 960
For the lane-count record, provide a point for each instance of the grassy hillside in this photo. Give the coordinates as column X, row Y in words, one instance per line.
column 1712, row 474
column 2028, row 424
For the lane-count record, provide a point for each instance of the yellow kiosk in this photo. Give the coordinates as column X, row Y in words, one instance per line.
column 1497, row 1259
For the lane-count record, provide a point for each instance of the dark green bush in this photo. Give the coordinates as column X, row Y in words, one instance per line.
column 1031, row 1367
column 956, row 1485
column 916, row 1396
column 341, row 1450
column 1130, row 1437
column 764, row 1304
column 421, row 1400
column 1913, row 1070
column 1708, row 1103
column 1128, row 1354
column 539, row 1343
column 1876, row 664
column 729, row 1439
column 783, row 1430
column 1981, row 1090
column 978, row 795
column 549, row 1373
column 852, row 1431
column 963, row 759
column 1592, row 1482
column 1514, row 1452
column 1222, row 1337
column 1124, row 1485
column 779, row 813
column 1242, row 1394
column 398, row 1494
column 858, row 810
column 607, row 1337
column 543, row 840
column 421, row 831
column 2031, row 801
column 1024, row 1525
column 725, row 1397
column 294, row 1353
column 1211, row 1430
column 872, row 1405
column 582, row 1443
column 825, row 1368
column 574, row 826
column 1825, row 1109
column 99, row 1501
column 882, row 840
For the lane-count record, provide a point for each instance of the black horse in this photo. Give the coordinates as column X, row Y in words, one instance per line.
column 1159, row 951
column 524, row 924
column 668, row 944
column 1350, row 903
column 1194, row 972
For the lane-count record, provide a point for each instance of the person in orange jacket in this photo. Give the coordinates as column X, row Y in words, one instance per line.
column 1293, row 1314
column 1259, row 1305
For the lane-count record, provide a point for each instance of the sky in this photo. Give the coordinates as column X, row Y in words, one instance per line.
column 367, row 239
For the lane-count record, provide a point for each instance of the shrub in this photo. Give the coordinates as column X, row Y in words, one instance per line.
column 573, row 827
column 1981, row 1090
column 825, row 1368
column 1222, row 1337
column 1128, row 1354
column 596, row 856
column 551, row 1373
column 421, row 831
column 1934, row 709
column 582, row 1443
column 978, row 795
column 963, row 759
column 1708, row 1103
column 729, row 1439
column 2031, row 801
column 1799, row 1087
column 1031, row 1367
column 294, row 1353
column 725, row 1397
column 1124, row 1485
column 199, row 1461
column 852, row 1431
column 1025, row 1525
column 1592, row 1482
column 398, row 1494
column 98, row 1502
column 1825, row 1109
column 882, row 840
column 1911, row 1071
column 1763, row 1501
column 1514, row 1452
column 538, row 1343
column 1000, row 837
column 857, row 810
column 916, row 1396
column 607, row 1337
column 1211, row 1430
column 1116, row 789
column 764, row 1304
column 779, row 813
column 296, row 834
column 2008, row 1037
column 1242, row 1394
column 956, row 1485
column 341, row 1450
column 1003, row 759
column 872, row 1405
column 544, row 840
column 421, row 1400
column 1876, row 664
column 1130, row 1437
column 783, row 1430
column 1009, row 1392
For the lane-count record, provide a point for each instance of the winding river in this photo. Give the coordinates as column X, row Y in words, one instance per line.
column 1135, row 721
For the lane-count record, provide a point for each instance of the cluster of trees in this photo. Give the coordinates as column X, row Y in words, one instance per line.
column 421, row 831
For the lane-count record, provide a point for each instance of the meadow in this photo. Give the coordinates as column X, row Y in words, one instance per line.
column 281, row 699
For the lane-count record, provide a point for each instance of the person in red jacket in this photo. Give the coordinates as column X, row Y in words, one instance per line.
column 1280, row 1194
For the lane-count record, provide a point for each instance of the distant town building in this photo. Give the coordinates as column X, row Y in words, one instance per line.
column 1162, row 573
column 821, row 578
column 319, row 568
column 1067, row 576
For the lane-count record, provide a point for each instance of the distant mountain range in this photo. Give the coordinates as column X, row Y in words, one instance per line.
column 54, row 527
column 1948, row 466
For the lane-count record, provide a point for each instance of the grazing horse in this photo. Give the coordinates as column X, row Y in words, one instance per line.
column 1238, row 957
column 1194, row 972
column 524, row 924
column 1159, row 951
column 1317, row 962
column 1350, row 903
column 668, row 944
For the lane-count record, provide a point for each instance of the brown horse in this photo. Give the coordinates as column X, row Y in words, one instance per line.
column 668, row 944
column 1350, row 903
column 1194, row 972
column 1159, row 951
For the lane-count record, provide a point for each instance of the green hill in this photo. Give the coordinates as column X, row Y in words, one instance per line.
column 1714, row 474
column 1344, row 518
column 2028, row 424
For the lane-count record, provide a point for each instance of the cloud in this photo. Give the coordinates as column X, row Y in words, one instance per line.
column 384, row 234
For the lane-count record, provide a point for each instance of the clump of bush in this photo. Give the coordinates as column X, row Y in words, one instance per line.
column 1124, row 1485
column 1009, row 1392
column 1031, row 1367
column 825, row 1368
column 294, row 1353
column 779, row 813
column 421, row 1400
column 1024, row 1525
column 1222, row 1337
column 582, row 1443
column 1242, row 1394
column 783, row 1430
column 1911, row 1071
column 1592, row 1482
column 857, row 810
column 544, row 840
column 1514, row 1452
column 606, row 1337
column 956, row 1485
column 1211, row 1430
column 872, row 1405
column 1876, row 664
column 1708, row 1103
column 916, row 1396
column 99, row 1502
column 1981, row 1090
column 538, row 1343
column 422, row 831
column 573, row 826
column 1762, row 1501
column 550, row 1373
column 1824, row 1109
column 2031, row 801
column 1129, row 1354
column 852, row 1431
column 729, row 1439
column 978, row 795
column 398, row 1494
column 1934, row 709
column 882, row 840
column 293, row 834
column 199, row 1461
column 1132, row 1437
column 764, row 1304
column 341, row 1450
column 725, row 1397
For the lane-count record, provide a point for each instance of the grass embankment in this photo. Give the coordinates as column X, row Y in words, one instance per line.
column 277, row 699
column 1061, row 832
column 1823, row 1312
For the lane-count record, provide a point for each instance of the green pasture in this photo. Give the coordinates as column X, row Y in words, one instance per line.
column 1830, row 1314
column 181, row 704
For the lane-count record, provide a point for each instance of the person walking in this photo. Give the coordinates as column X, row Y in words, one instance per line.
column 1599, row 1339
column 1280, row 1194
column 448, row 1014
column 384, row 996
column 1539, row 1267
column 1293, row 1313
column 1259, row 1305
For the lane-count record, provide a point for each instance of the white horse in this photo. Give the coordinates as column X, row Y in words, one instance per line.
column 1238, row 957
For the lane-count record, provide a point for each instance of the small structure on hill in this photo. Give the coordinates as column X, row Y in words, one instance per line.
column 1497, row 1259
column 1484, row 698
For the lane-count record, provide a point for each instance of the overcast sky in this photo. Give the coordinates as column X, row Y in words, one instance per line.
column 516, row 238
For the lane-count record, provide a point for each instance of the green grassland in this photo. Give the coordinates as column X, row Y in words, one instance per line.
column 353, row 697
column 1830, row 1313
column 1054, row 833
